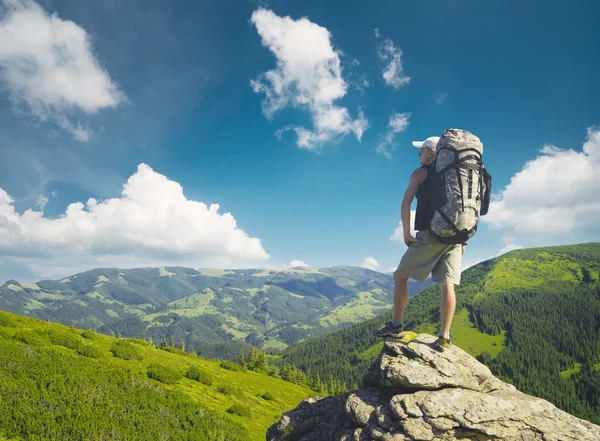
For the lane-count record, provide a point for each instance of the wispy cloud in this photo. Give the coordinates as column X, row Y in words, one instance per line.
column 41, row 202
column 308, row 76
column 49, row 67
column 398, row 123
column 393, row 72
column 441, row 98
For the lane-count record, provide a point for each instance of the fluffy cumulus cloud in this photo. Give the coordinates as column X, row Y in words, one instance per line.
column 295, row 263
column 49, row 67
column 393, row 72
column 370, row 263
column 554, row 194
column 398, row 123
column 151, row 224
column 398, row 234
column 308, row 76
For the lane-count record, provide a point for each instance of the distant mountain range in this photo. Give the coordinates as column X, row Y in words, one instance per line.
column 214, row 311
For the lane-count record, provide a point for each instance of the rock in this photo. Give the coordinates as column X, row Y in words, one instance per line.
column 414, row 392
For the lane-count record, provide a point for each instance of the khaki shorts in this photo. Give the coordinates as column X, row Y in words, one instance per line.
column 431, row 256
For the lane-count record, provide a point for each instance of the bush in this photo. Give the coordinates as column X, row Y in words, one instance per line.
column 164, row 374
column 227, row 389
column 5, row 320
column 90, row 351
column 126, row 351
column 29, row 338
column 240, row 409
column 174, row 350
column 89, row 334
column 268, row 395
column 137, row 341
column 63, row 338
column 200, row 375
column 225, row 364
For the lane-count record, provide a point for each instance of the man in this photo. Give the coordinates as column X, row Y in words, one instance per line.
column 425, row 253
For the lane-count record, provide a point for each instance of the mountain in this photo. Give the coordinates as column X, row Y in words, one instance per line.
column 414, row 392
column 532, row 316
column 216, row 312
column 63, row 383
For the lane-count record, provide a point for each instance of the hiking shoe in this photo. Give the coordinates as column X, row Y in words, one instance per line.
column 390, row 330
column 441, row 344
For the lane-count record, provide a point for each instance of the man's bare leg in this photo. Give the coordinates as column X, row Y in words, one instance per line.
column 447, row 306
column 400, row 295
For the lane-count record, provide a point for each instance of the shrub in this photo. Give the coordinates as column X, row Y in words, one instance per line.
column 174, row 350
column 89, row 334
column 227, row 389
column 63, row 338
column 5, row 320
column 90, row 351
column 240, row 409
column 200, row 375
column 137, row 341
column 164, row 374
column 225, row 364
column 126, row 351
column 268, row 395
column 28, row 337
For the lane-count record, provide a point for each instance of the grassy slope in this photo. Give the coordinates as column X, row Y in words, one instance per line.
column 467, row 337
column 251, row 384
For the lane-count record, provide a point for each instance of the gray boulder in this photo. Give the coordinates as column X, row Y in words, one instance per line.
column 413, row 392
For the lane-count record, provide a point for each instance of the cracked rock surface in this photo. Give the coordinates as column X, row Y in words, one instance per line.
column 413, row 392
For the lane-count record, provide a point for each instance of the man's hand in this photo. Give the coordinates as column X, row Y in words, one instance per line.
column 409, row 240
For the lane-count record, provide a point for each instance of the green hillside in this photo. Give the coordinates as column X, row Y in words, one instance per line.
column 207, row 308
column 533, row 316
column 62, row 383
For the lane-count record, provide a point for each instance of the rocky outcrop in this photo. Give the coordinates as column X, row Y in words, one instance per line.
column 413, row 392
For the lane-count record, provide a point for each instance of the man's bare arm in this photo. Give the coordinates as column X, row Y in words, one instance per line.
column 416, row 179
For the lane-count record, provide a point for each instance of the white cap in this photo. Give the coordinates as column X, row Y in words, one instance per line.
column 430, row 142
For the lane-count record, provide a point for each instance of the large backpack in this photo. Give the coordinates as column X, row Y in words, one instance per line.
column 461, row 187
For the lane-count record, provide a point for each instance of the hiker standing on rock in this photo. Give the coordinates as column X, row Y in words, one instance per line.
column 426, row 254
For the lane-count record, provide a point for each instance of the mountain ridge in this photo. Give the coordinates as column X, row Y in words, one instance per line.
column 262, row 307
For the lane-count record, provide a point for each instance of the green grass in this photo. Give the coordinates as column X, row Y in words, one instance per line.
column 249, row 386
column 574, row 370
column 467, row 337
column 372, row 352
column 517, row 272
column 364, row 307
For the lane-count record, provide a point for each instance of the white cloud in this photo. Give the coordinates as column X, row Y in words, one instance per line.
column 370, row 263
column 294, row 264
column 393, row 73
column 308, row 76
column 398, row 123
column 553, row 195
column 41, row 202
column 509, row 247
column 398, row 234
column 49, row 66
column 441, row 98
column 377, row 34
column 152, row 223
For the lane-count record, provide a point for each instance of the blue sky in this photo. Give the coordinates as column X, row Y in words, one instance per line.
column 171, row 98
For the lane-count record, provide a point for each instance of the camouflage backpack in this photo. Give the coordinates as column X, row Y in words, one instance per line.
column 461, row 187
